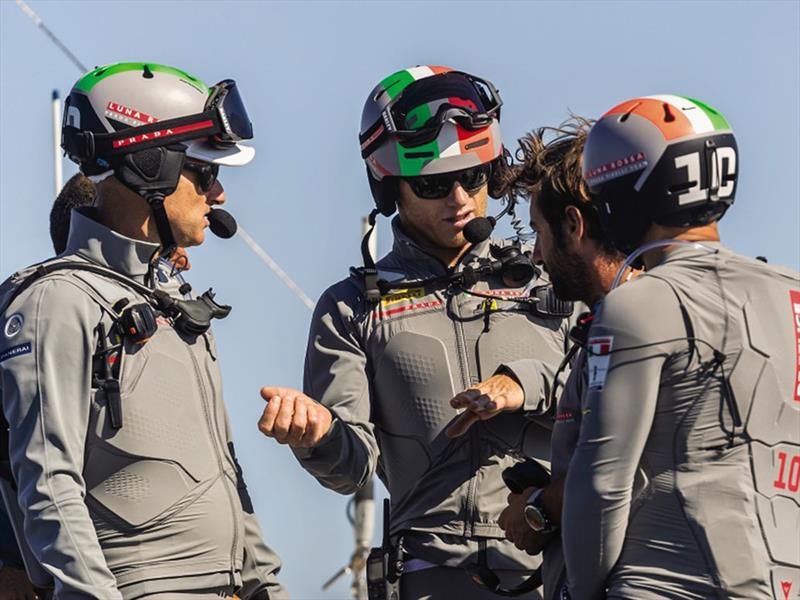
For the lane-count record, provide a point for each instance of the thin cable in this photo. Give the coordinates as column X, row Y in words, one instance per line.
column 40, row 24
column 655, row 244
column 275, row 268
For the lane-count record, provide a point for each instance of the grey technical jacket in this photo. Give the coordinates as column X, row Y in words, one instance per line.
column 692, row 377
column 388, row 372
column 153, row 506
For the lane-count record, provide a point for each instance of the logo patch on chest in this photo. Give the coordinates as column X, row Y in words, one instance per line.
column 597, row 363
column 13, row 325
column 24, row 348
column 400, row 295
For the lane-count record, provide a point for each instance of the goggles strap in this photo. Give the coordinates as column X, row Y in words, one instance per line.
column 89, row 146
column 372, row 138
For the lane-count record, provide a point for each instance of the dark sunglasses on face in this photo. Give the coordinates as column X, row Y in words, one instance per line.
column 434, row 187
column 206, row 173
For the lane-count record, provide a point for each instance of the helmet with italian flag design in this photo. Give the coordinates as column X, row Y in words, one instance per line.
column 428, row 120
column 124, row 108
column 670, row 160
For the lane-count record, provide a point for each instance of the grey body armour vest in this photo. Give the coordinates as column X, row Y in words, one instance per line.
column 750, row 312
column 425, row 348
column 389, row 371
column 161, row 491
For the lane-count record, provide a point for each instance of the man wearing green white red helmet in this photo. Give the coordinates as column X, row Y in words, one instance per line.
column 120, row 450
column 446, row 314
column 692, row 378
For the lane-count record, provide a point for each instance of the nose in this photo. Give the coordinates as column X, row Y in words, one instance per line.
column 216, row 195
column 458, row 195
column 538, row 259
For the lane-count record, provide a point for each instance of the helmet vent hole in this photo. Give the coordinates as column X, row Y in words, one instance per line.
column 477, row 144
column 628, row 113
column 668, row 116
column 147, row 74
column 418, row 154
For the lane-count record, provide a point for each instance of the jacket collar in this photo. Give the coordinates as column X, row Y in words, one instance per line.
column 99, row 244
column 682, row 251
column 408, row 250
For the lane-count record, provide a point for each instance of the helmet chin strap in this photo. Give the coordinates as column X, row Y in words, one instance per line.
column 168, row 244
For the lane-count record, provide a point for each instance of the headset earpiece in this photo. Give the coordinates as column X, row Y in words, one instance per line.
column 384, row 192
column 155, row 170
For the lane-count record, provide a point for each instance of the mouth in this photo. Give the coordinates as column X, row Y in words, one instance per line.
column 460, row 220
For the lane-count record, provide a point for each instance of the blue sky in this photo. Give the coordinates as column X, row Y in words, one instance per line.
column 304, row 69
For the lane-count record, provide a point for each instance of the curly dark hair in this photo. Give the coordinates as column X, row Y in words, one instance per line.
column 77, row 192
column 547, row 170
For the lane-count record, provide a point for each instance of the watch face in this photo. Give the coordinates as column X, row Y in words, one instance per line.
column 535, row 519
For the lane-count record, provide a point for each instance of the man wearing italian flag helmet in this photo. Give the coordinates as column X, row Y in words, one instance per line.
column 692, row 378
column 437, row 318
column 123, row 481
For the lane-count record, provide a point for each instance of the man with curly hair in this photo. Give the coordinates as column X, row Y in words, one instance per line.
column 581, row 263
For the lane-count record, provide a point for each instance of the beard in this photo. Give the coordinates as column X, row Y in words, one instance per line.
column 570, row 276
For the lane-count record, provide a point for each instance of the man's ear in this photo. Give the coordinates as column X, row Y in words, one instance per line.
column 573, row 225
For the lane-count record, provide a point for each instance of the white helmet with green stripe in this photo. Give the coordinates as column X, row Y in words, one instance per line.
column 122, row 108
column 428, row 120
column 140, row 121
column 665, row 159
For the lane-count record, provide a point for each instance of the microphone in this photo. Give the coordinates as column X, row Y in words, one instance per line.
column 222, row 223
column 479, row 229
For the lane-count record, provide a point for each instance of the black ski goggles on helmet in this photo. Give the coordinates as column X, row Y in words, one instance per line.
column 434, row 187
column 227, row 102
column 223, row 122
column 470, row 101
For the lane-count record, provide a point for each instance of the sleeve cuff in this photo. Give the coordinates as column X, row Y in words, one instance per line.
column 330, row 445
column 533, row 379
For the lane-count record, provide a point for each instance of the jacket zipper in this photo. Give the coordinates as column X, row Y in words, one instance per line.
column 220, row 464
column 463, row 360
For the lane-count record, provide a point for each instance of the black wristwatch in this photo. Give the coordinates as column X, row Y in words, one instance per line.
column 535, row 514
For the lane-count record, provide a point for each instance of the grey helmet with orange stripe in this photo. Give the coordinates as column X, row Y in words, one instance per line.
column 140, row 121
column 669, row 160
column 427, row 120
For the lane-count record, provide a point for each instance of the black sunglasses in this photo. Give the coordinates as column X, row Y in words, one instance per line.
column 206, row 173
column 434, row 187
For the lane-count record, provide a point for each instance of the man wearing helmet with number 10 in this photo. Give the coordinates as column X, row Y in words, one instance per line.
column 446, row 310
column 123, row 481
column 692, row 377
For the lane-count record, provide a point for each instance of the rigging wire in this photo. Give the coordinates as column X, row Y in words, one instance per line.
column 40, row 24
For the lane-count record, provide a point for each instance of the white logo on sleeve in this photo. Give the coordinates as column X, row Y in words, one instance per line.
column 14, row 325
column 599, row 357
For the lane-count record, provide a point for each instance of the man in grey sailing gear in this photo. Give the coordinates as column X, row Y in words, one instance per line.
column 692, row 377
column 390, row 347
column 581, row 264
column 120, row 446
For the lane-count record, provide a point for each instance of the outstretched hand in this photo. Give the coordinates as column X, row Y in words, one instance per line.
column 292, row 418
column 489, row 398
